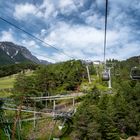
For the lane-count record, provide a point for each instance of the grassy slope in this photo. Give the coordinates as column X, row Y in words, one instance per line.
column 7, row 82
column 95, row 82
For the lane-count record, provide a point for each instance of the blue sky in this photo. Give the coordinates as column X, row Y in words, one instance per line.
column 75, row 27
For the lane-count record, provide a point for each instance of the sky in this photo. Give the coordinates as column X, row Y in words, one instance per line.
column 74, row 27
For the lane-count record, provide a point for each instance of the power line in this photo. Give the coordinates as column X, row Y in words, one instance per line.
column 106, row 10
column 45, row 56
column 41, row 54
column 34, row 37
column 37, row 7
column 30, row 24
column 34, row 45
column 37, row 53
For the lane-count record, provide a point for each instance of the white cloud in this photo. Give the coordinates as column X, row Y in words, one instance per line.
column 66, row 6
column 83, row 41
column 47, row 9
column 41, row 57
column 129, row 49
column 79, row 3
column 43, row 32
column 7, row 36
column 95, row 20
column 30, row 44
column 59, row 57
column 23, row 10
column 79, row 40
column 65, row 3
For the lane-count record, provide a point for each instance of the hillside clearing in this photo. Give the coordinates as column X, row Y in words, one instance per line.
column 7, row 82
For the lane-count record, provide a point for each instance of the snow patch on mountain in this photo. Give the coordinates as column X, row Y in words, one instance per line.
column 15, row 54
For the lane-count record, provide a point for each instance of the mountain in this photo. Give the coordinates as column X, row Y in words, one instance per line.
column 44, row 62
column 11, row 53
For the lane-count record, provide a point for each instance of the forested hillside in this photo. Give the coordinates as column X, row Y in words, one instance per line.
column 105, row 116
column 54, row 79
column 102, row 113
column 109, row 117
column 8, row 70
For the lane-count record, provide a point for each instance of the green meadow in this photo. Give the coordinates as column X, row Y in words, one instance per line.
column 7, row 82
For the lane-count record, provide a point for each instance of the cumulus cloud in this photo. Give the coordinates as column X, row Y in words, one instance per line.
column 76, row 27
column 44, row 10
column 44, row 57
column 7, row 36
column 23, row 10
column 84, row 42
column 78, row 40
column 129, row 49
column 30, row 44
column 65, row 3
column 66, row 7
column 48, row 9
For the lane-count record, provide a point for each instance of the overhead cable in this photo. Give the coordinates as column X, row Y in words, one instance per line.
column 34, row 37
column 106, row 11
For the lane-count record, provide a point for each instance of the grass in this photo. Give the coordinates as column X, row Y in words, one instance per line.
column 95, row 82
column 2, row 135
column 66, row 138
column 5, row 93
column 7, row 82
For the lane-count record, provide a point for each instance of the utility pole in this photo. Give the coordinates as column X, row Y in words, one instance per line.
column 109, row 82
column 89, row 79
column 97, row 70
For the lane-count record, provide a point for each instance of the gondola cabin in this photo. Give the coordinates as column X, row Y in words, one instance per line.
column 135, row 73
column 105, row 76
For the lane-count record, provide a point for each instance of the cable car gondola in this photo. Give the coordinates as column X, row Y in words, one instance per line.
column 105, row 76
column 135, row 73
